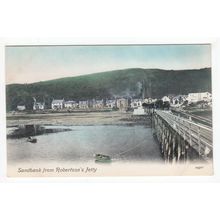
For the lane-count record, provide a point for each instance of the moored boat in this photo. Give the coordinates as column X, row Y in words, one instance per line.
column 32, row 140
column 102, row 158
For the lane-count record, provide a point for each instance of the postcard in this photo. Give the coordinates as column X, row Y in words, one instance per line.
column 109, row 110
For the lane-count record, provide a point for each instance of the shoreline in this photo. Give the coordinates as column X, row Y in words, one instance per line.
column 78, row 119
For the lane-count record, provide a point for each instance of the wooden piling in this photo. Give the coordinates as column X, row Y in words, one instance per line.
column 173, row 147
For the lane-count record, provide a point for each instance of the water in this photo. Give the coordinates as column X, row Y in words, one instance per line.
column 82, row 142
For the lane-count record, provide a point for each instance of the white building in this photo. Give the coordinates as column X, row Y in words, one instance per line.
column 83, row 104
column 98, row 104
column 202, row 96
column 165, row 99
column 122, row 104
column 178, row 100
column 110, row 103
column 149, row 100
column 70, row 104
column 135, row 103
column 21, row 107
column 57, row 104
column 38, row 106
column 139, row 111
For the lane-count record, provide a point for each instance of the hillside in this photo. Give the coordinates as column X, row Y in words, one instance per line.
column 127, row 82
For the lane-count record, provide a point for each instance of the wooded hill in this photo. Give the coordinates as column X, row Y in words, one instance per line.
column 111, row 84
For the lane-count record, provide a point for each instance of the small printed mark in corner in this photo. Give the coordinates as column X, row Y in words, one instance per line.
column 199, row 167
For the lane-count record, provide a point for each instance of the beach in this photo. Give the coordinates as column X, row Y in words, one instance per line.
column 76, row 118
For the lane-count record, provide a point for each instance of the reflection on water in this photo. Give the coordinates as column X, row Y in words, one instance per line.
column 80, row 143
column 33, row 130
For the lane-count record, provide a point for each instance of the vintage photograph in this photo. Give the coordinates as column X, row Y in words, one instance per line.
column 109, row 110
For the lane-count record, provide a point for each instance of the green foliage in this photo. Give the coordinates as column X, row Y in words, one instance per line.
column 159, row 104
column 155, row 83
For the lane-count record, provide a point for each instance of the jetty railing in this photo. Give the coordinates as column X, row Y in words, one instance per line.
column 177, row 135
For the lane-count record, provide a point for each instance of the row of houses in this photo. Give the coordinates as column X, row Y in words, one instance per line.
column 86, row 104
column 190, row 98
column 120, row 103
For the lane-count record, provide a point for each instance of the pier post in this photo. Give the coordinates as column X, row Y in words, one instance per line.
column 199, row 142
column 173, row 149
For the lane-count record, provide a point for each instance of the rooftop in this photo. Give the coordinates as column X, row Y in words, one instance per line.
column 57, row 101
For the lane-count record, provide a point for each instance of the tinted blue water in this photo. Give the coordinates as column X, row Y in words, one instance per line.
column 128, row 143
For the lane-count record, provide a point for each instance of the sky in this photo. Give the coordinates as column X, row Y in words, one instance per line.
column 27, row 64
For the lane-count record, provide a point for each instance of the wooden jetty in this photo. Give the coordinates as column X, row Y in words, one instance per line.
column 179, row 138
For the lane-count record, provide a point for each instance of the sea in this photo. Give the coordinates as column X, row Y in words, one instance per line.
column 124, row 143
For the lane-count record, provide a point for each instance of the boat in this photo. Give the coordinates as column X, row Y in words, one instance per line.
column 102, row 158
column 32, row 140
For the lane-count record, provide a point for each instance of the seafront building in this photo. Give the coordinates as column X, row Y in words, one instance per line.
column 110, row 103
column 38, row 106
column 98, row 104
column 70, row 104
column 21, row 107
column 122, row 104
column 83, row 104
column 135, row 103
column 202, row 96
column 165, row 99
column 57, row 104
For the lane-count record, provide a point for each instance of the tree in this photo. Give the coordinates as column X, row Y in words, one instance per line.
column 159, row 103
column 166, row 105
